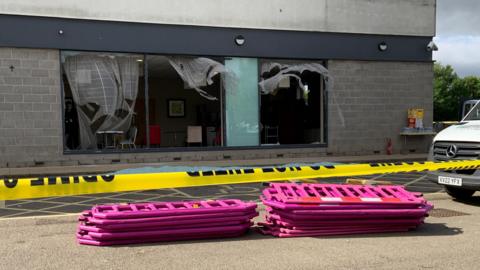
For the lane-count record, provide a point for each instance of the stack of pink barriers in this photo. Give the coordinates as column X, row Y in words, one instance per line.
column 329, row 209
column 121, row 224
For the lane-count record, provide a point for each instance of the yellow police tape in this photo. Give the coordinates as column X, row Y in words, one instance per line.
column 13, row 188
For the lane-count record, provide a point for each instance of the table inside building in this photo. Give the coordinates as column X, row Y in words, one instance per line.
column 110, row 138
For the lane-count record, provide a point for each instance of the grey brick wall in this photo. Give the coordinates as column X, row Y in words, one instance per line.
column 30, row 119
column 373, row 98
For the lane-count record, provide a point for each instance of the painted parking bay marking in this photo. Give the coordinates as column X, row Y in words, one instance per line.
column 47, row 186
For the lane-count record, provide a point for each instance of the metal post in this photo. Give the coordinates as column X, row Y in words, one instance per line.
column 147, row 109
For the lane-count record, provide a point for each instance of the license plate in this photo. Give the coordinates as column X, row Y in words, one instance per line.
column 452, row 181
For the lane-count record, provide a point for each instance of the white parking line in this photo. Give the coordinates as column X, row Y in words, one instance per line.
column 379, row 176
column 416, row 180
column 24, row 211
column 11, row 217
column 184, row 194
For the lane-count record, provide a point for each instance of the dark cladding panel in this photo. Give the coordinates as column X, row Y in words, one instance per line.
column 42, row 32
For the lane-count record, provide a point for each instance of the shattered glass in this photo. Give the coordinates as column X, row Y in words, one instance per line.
column 104, row 89
column 273, row 73
column 198, row 72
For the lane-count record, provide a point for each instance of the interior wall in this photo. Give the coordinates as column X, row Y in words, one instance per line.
column 160, row 91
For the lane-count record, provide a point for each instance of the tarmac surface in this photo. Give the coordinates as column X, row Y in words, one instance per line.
column 75, row 204
column 450, row 239
column 40, row 234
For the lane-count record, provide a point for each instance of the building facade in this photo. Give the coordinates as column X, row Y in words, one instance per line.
column 89, row 82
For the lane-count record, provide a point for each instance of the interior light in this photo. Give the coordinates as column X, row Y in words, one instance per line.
column 382, row 46
column 239, row 40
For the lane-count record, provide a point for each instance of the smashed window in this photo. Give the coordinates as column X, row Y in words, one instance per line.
column 104, row 89
column 198, row 72
column 117, row 100
column 184, row 101
column 273, row 74
column 292, row 102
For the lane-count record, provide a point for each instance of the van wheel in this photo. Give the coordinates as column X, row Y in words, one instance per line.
column 461, row 194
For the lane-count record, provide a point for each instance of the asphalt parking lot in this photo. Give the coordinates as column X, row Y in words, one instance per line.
column 74, row 204
column 447, row 240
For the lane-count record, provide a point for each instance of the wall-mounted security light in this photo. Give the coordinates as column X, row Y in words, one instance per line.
column 60, row 32
column 239, row 40
column 431, row 46
column 382, row 46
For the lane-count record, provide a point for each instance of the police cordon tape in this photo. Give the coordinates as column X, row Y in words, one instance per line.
column 49, row 186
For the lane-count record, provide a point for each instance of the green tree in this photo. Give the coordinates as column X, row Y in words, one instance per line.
column 444, row 78
column 449, row 91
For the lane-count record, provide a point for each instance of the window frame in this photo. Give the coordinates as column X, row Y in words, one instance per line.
column 222, row 147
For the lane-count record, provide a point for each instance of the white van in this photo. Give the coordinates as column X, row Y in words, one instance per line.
column 459, row 142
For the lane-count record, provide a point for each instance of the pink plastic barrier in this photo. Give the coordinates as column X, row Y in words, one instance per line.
column 164, row 221
column 87, row 240
column 272, row 218
column 86, row 216
column 87, row 227
column 330, row 229
column 190, row 223
column 319, row 206
column 344, row 227
column 340, row 194
column 326, row 209
column 335, row 215
column 141, row 210
column 164, row 233
column 277, row 233
column 339, row 206
column 334, row 211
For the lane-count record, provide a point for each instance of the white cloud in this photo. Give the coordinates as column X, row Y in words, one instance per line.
column 458, row 17
column 461, row 52
column 458, row 35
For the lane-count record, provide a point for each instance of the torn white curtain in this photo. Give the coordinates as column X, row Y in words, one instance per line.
column 104, row 90
column 269, row 85
column 282, row 71
column 197, row 72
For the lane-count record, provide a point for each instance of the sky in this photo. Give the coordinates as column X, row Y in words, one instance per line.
column 458, row 35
